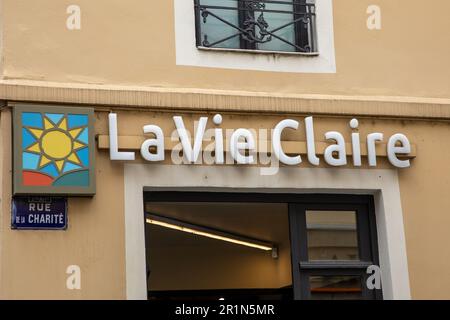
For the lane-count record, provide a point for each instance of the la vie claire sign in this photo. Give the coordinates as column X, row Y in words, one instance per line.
column 242, row 145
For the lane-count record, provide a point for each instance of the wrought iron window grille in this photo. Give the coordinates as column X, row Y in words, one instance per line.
column 252, row 27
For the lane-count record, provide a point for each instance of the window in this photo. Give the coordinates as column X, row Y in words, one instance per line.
column 267, row 25
column 333, row 242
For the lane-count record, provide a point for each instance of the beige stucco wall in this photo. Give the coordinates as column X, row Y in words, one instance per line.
column 133, row 43
column 124, row 58
column 33, row 263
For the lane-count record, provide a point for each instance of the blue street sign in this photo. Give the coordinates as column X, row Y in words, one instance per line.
column 39, row 213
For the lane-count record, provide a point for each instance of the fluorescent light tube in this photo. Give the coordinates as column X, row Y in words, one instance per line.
column 206, row 232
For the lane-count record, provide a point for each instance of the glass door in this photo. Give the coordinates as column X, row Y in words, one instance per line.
column 333, row 241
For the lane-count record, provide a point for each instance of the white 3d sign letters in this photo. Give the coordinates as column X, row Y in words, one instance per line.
column 310, row 144
column 243, row 146
column 276, row 142
column 356, row 145
column 393, row 150
column 338, row 148
column 114, row 153
column 371, row 151
column 236, row 145
column 158, row 142
column 191, row 153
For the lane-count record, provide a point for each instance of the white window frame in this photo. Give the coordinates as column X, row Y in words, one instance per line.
column 187, row 53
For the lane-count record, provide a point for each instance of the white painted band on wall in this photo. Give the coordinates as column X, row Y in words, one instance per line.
column 382, row 184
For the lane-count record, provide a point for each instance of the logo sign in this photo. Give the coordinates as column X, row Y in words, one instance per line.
column 53, row 150
column 46, row 213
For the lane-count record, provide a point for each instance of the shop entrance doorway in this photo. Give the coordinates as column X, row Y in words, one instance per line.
column 259, row 246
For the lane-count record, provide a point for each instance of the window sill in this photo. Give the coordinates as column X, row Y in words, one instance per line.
column 286, row 53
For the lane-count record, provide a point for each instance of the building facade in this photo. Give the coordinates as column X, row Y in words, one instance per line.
column 222, row 149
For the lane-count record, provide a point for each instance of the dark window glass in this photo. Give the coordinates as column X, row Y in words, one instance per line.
column 282, row 25
column 346, row 287
column 332, row 235
column 219, row 32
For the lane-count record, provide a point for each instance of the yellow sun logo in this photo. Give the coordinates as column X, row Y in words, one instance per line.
column 56, row 144
column 53, row 150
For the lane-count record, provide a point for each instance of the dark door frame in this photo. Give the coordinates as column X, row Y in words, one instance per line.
column 298, row 204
